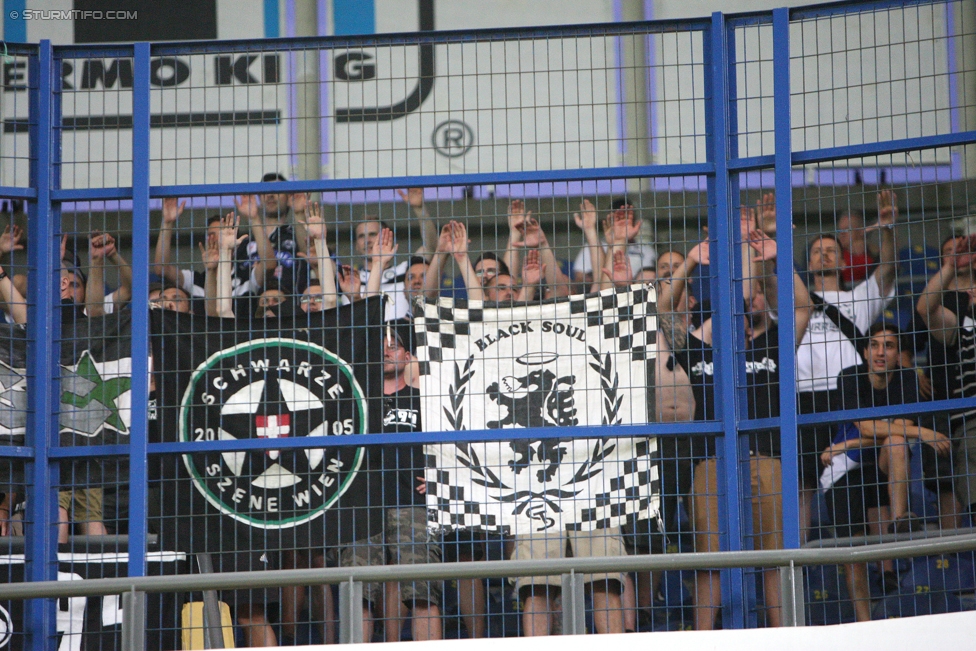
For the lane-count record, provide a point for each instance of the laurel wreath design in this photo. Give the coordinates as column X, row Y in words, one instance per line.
column 610, row 383
column 456, row 391
column 483, row 475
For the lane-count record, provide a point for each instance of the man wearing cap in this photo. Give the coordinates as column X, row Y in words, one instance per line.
column 405, row 537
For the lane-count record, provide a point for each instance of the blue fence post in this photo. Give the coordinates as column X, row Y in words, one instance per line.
column 784, row 273
column 138, row 439
column 43, row 354
column 721, row 231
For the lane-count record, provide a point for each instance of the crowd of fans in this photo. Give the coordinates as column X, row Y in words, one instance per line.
column 271, row 259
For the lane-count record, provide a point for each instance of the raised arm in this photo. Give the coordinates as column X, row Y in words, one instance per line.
column 586, row 219
column 533, row 271
column 228, row 243
column 319, row 252
column 517, row 217
column 673, row 288
column 459, row 249
column 298, row 203
column 124, row 293
column 414, row 197
column 16, row 305
column 557, row 283
column 99, row 245
column 210, row 253
column 12, row 240
column 383, row 249
column 941, row 322
column 764, row 256
column 163, row 257
column 247, row 207
column 887, row 215
column 432, row 278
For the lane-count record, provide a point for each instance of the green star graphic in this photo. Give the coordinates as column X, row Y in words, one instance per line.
column 104, row 392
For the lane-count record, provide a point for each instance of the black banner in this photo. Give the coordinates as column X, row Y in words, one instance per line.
column 312, row 376
column 95, row 623
column 94, row 394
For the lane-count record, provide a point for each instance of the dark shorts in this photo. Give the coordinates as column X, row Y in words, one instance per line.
column 849, row 499
column 244, row 561
column 936, row 470
column 814, row 439
column 465, row 545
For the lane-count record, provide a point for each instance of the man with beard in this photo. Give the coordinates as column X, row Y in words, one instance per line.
column 693, row 352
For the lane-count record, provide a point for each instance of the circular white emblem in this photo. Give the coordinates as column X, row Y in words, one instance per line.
column 273, row 389
column 6, row 627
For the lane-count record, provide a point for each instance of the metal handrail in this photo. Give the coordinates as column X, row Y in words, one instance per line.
column 491, row 569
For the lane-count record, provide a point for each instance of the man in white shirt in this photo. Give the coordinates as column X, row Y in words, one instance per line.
column 395, row 275
column 839, row 317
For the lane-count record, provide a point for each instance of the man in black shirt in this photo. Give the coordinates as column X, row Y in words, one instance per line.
column 947, row 307
column 867, row 465
column 693, row 352
column 405, row 538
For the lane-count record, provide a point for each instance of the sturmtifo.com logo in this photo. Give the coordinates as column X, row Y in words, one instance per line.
column 273, row 389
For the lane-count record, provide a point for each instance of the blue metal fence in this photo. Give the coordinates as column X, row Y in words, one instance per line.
column 723, row 120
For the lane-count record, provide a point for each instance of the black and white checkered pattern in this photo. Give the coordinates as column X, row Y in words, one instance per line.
column 480, row 485
column 626, row 313
column 632, row 493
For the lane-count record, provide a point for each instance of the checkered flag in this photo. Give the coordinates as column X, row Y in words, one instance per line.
column 562, row 364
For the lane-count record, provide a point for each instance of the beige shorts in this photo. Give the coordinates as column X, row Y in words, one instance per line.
column 87, row 503
column 767, row 504
column 578, row 544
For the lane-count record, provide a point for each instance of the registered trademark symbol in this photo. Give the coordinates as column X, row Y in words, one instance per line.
column 453, row 138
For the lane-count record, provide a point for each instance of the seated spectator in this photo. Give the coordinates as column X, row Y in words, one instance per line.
column 625, row 219
column 858, row 259
column 867, row 465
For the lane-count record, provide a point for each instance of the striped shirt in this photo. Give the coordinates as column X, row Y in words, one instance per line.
column 966, row 371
